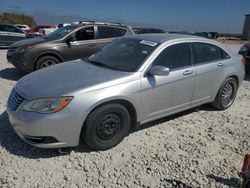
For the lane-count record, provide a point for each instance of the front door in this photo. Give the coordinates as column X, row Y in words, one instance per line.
column 84, row 44
column 163, row 95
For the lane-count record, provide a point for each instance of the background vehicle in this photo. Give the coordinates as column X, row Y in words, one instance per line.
column 138, row 30
column 38, row 31
column 132, row 81
column 23, row 27
column 210, row 35
column 245, row 52
column 46, row 31
column 10, row 34
column 245, row 173
column 67, row 43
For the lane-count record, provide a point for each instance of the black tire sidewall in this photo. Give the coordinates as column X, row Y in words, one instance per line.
column 90, row 135
column 45, row 58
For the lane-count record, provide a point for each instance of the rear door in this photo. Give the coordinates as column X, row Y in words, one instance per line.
column 210, row 62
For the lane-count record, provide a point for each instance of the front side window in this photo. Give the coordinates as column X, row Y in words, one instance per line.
column 174, row 57
column 110, row 32
column 204, row 52
column 126, row 54
column 85, row 34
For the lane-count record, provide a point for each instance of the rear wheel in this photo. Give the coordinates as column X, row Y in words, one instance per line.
column 226, row 94
column 106, row 127
column 46, row 61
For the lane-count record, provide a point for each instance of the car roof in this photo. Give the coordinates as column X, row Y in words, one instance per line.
column 163, row 37
column 100, row 24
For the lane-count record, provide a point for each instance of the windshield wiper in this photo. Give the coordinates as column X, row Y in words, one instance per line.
column 99, row 64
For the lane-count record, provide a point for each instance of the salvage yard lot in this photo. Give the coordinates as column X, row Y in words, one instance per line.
column 202, row 147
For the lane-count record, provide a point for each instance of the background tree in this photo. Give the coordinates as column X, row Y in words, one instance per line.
column 15, row 18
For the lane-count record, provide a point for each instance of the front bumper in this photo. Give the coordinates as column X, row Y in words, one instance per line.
column 19, row 61
column 56, row 130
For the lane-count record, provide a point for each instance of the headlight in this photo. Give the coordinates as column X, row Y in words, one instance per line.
column 47, row 105
column 24, row 48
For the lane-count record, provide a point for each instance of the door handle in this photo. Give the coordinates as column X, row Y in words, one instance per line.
column 187, row 72
column 220, row 64
column 92, row 45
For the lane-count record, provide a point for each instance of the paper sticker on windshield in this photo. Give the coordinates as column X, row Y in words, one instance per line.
column 149, row 43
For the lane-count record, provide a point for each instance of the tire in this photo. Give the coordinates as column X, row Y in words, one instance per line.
column 226, row 95
column 46, row 61
column 106, row 127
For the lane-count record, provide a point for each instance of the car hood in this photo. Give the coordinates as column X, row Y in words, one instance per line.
column 69, row 78
column 27, row 42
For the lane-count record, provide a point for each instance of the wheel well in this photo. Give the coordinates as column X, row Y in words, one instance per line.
column 236, row 78
column 47, row 54
column 130, row 107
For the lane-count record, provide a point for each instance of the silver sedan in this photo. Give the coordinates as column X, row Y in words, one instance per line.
column 132, row 81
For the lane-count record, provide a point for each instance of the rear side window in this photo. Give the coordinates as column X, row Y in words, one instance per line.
column 204, row 53
column 110, row 32
column 174, row 57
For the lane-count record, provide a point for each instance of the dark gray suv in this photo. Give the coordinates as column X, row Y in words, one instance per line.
column 67, row 43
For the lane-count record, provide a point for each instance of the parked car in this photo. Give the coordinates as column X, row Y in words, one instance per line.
column 147, row 30
column 67, row 43
column 47, row 31
column 130, row 82
column 38, row 30
column 10, row 34
column 245, row 52
column 245, row 173
column 210, row 35
column 22, row 26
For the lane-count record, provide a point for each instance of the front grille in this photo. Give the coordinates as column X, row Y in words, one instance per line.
column 14, row 100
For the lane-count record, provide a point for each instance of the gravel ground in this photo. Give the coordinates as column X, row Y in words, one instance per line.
column 201, row 147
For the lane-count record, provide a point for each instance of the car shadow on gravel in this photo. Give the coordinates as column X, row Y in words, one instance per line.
column 14, row 145
column 11, row 74
column 230, row 182
column 205, row 107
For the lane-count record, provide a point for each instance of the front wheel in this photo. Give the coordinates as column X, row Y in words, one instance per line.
column 106, row 126
column 226, row 94
column 46, row 61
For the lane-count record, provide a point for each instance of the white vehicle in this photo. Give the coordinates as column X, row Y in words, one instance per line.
column 46, row 31
column 23, row 27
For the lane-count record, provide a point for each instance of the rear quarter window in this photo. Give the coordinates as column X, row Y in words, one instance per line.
column 110, row 32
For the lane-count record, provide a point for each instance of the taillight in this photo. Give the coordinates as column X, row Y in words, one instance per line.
column 243, row 61
column 246, row 165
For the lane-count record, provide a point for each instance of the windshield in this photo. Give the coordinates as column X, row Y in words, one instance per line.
column 62, row 32
column 126, row 54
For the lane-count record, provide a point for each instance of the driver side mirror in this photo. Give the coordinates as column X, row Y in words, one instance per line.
column 69, row 40
column 159, row 71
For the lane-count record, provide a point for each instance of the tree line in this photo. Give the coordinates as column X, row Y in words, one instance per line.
column 14, row 18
